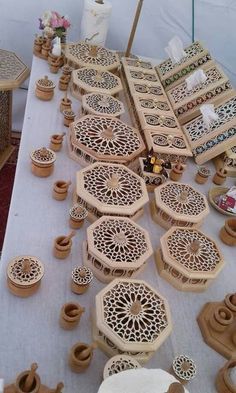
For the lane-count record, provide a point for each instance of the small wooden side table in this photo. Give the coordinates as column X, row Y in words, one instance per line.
column 13, row 72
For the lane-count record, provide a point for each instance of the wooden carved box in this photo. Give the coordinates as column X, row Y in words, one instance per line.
column 146, row 322
column 111, row 190
column 102, row 104
column 186, row 103
column 172, row 74
column 207, row 143
column 116, row 247
column 103, row 138
column 188, row 259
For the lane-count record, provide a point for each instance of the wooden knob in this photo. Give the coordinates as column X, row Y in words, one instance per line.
column 136, row 307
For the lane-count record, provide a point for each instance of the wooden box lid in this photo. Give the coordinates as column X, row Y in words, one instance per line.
column 102, row 104
column 13, row 71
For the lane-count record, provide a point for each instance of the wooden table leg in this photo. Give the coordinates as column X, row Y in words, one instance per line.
column 6, row 148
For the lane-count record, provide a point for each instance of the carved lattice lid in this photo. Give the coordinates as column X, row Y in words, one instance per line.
column 168, row 143
column 119, row 363
column 82, row 275
column 181, row 202
column 107, row 138
column 45, row 83
column 184, row 367
column 137, row 63
column 144, row 75
column 144, row 89
column 94, row 80
column 152, row 103
column 119, row 242
column 25, row 270
column 133, row 315
column 102, row 104
column 13, row 71
column 43, row 156
column 83, row 54
column 111, row 188
column 148, row 119
column 191, row 252
column 78, row 212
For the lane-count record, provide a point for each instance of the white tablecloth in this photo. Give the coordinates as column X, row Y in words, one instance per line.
column 29, row 329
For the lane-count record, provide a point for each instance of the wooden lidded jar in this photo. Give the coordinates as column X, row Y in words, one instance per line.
column 60, row 190
column 228, row 232
column 42, row 162
column 65, row 104
column 184, row 368
column 78, row 213
column 67, row 70
column 24, row 274
column 177, row 172
column 202, row 175
column 70, row 315
column 220, row 176
column 64, row 82
column 80, row 356
column 44, row 89
column 80, row 279
column 226, row 378
column 69, row 117
column 56, row 141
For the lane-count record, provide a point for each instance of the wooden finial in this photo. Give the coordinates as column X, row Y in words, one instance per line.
column 176, row 387
column 26, row 266
column 30, row 378
column 135, row 307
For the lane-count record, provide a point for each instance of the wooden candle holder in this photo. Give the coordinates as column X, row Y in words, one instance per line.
column 220, row 176
column 217, row 322
column 180, row 259
column 105, row 237
column 120, row 295
column 65, row 104
column 80, row 356
column 80, row 279
column 78, row 213
column 42, row 162
column 184, row 368
column 224, row 382
column 56, row 141
column 93, row 190
column 60, row 190
column 24, row 274
column 228, row 232
column 119, row 363
column 202, row 175
column 44, row 89
column 62, row 246
column 101, row 104
column 69, row 117
column 70, row 315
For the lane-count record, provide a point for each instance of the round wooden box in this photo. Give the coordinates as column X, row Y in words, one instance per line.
column 90, row 80
column 44, row 89
column 146, row 321
column 81, row 277
column 188, row 259
column 111, row 190
column 24, row 274
column 102, row 138
column 42, row 162
column 83, row 54
column 102, row 104
column 116, row 247
column 178, row 204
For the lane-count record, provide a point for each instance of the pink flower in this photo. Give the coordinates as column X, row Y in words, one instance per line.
column 66, row 23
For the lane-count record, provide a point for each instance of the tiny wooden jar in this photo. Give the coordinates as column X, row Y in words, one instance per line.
column 67, row 70
column 224, row 383
column 176, row 172
column 70, row 315
column 60, row 190
column 54, row 67
column 65, row 104
column 202, row 175
column 80, row 356
column 61, row 251
column 220, row 176
column 38, row 43
column 77, row 215
column 220, row 318
column 64, row 82
column 56, row 141
column 69, row 117
column 44, row 89
column 80, row 279
column 184, row 368
column 42, row 162
column 228, row 232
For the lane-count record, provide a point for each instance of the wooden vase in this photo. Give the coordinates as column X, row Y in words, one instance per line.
column 220, row 318
column 61, row 251
column 220, row 177
column 70, row 315
column 80, row 356
column 228, row 232
column 177, row 172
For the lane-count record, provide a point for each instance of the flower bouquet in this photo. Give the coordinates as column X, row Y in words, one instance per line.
column 53, row 24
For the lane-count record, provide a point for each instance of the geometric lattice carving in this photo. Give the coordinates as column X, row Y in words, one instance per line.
column 179, row 204
column 208, row 142
column 117, row 247
column 100, row 138
column 133, row 316
column 12, row 70
column 136, row 63
column 43, row 156
column 111, row 189
column 21, row 276
column 119, row 363
column 188, row 259
column 83, row 54
column 102, row 104
column 184, row 367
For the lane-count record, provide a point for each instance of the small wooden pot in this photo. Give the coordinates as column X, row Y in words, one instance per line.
column 56, row 142
column 176, row 172
column 28, row 381
column 224, row 383
column 220, row 177
column 42, row 162
column 69, row 117
column 70, row 315
column 64, row 82
column 44, row 89
column 230, row 302
column 38, row 43
column 77, row 215
column 202, row 175
column 228, row 232
column 221, row 318
column 65, row 104
column 61, row 251
column 80, row 279
column 67, row 70
column 60, row 190
column 80, row 357
column 54, row 67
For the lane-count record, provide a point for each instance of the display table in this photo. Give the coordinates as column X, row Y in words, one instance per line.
column 13, row 72
column 29, row 328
